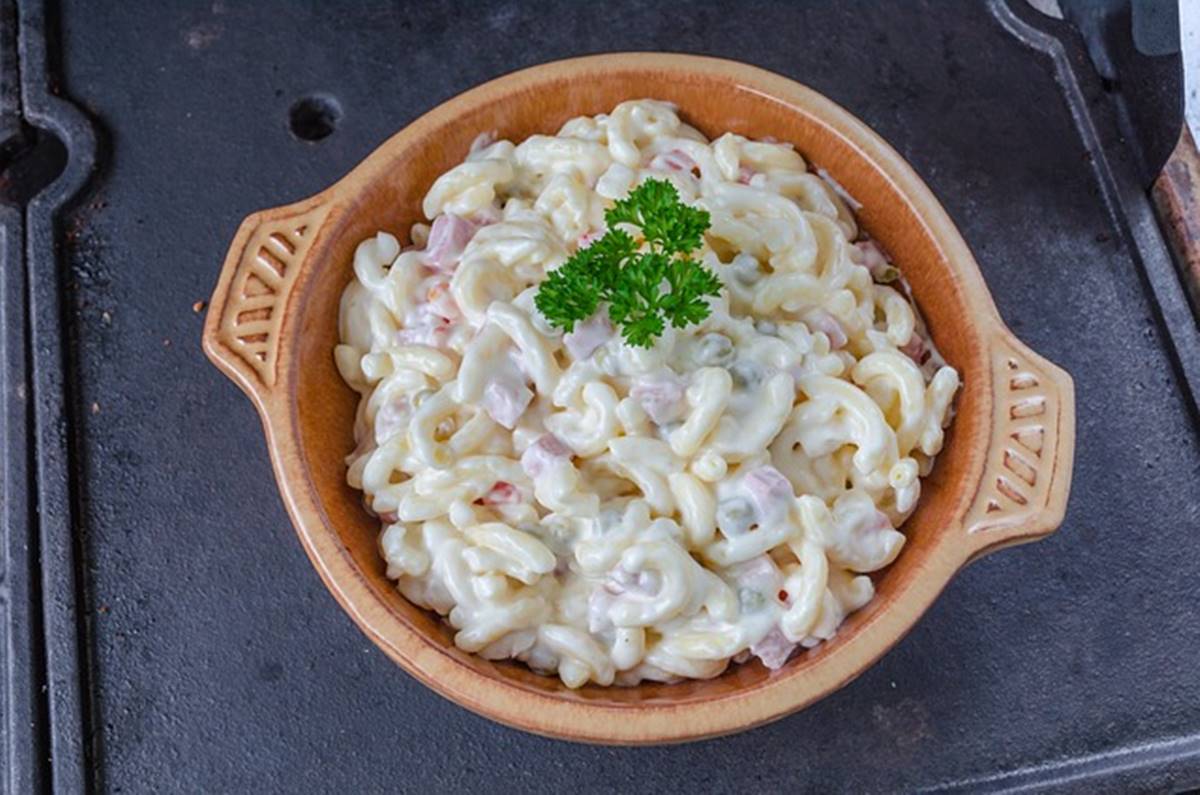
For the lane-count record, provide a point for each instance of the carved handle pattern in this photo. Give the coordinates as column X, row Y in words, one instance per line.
column 1027, row 473
column 256, row 297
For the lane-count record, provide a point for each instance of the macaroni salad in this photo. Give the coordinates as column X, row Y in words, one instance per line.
column 613, row 513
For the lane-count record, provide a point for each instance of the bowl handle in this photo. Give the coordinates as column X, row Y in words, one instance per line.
column 253, row 296
column 1022, row 494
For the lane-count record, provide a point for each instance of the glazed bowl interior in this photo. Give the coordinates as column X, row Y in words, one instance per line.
column 389, row 199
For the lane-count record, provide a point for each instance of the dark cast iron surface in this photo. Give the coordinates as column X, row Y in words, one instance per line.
column 216, row 659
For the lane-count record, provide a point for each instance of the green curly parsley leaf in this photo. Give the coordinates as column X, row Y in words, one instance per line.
column 665, row 221
column 613, row 271
column 573, row 291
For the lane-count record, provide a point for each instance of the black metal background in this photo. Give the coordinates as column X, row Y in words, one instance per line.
column 214, row 659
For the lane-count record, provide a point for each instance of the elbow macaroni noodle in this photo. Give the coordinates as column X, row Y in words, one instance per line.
column 615, row 514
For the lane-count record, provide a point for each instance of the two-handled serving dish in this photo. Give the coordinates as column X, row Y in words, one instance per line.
column 1001, row 479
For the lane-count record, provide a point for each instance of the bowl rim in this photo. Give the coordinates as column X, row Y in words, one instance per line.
column 269, row 379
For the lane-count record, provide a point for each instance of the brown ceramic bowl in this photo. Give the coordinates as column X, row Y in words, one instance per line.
column 1001, row 479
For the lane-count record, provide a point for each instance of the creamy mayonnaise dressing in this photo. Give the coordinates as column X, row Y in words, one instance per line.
column 615, row 514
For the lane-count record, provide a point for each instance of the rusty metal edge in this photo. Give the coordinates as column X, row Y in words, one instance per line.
column 1176, row 193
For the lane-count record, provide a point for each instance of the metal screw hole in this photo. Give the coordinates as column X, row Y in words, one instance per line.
column 315, row 117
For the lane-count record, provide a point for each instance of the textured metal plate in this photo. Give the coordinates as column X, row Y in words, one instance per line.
column 221, row 663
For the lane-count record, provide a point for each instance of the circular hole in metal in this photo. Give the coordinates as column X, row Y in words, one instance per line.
column 314, row 117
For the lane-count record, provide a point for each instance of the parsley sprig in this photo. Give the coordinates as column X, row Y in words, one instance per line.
column 615, row 270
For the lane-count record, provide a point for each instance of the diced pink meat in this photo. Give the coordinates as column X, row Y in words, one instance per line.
column 392, row 418
column 915, row 349
column 448, row 237
column 673, row 160
column 822, row 321
column 587, row 238
column 427, row 328
column 483, row 141
column 770, row 492
column 774, row 649
column 505, row 400
column 589, row 335
column 433, row 336
column 660, row 396
column 745, row 174
column 874, row 259
column 503, row 493
column 389, row 517
column 543, row 453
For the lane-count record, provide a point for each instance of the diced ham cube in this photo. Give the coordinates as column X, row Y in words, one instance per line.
column 503, row 493
column 674, row 160
column 505, row 400
column 916, row 349
column 432, row 336
column 589, row 335
column 774, row 649
column 822, row 321
column 448, row 237
column 392, row 418
column 745, row 174
column 389, row 517
column 587, row 238
column 543, row 453
column 770, row 492
column 660, row 396
column 426, row 328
